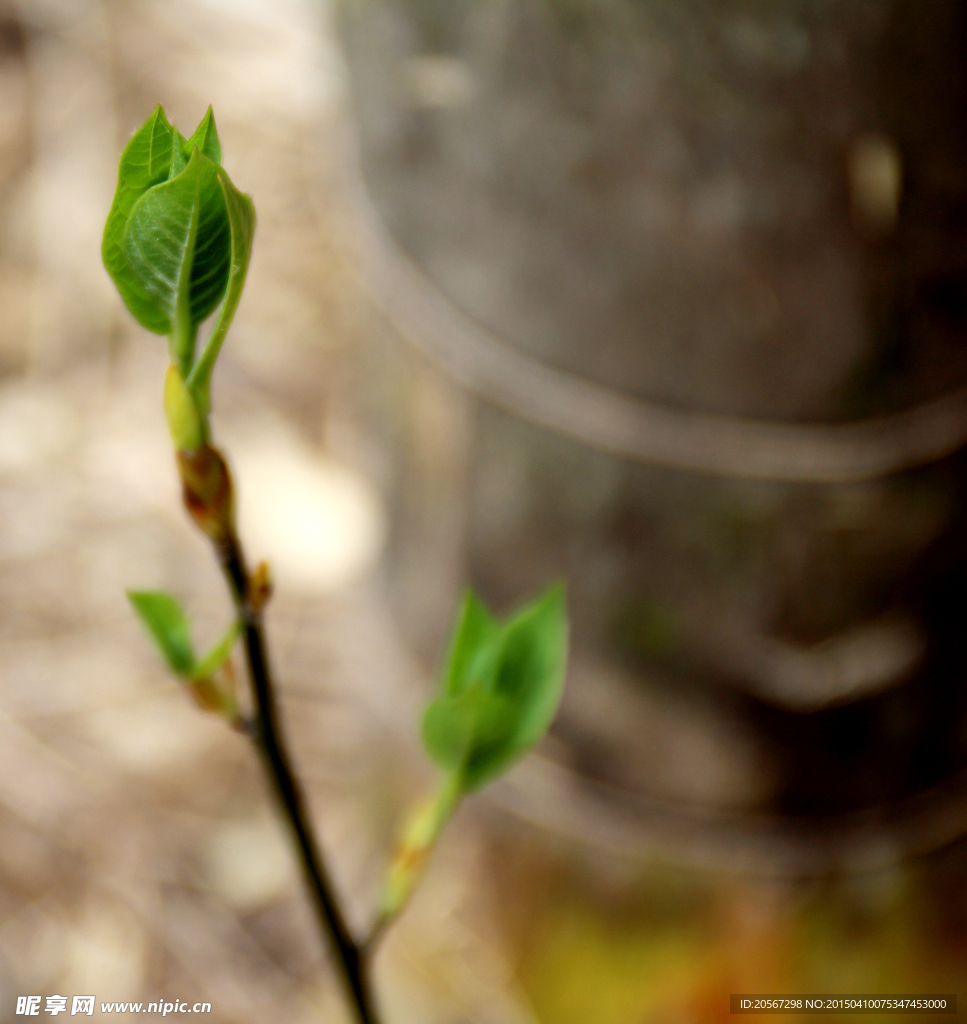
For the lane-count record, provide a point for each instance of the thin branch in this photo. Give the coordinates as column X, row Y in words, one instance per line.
column 350, row 958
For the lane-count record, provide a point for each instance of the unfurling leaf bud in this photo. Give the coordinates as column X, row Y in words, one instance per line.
column 178, row 239
column 167, row 241
column 211, row 681
column 501, row 689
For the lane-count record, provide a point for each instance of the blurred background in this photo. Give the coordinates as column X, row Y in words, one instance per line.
column 665, row 299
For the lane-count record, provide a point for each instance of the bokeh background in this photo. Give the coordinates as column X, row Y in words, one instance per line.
column 665, row 299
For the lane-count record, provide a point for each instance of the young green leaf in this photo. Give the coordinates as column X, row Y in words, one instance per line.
column 179, row 156
column 205, row 137
column 449, row 724
column 241, row 220
column 501, row 689
column 177, row 246
column 178, row 240
column 145, row 162
column 532, row 665
column 168, row 625
column 477, row 634
column 461, row 731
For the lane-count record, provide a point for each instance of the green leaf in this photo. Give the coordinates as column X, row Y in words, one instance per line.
column 178, row 240
column 177, row 246
column 168, row 625
column 501, row 689
column 458, row 730
column 145, row 162
column 179, row 156
column 477, row 634
column 213, row 252
column 241, row 220
column 448, row 729
column 205, row 137
column 532, row 665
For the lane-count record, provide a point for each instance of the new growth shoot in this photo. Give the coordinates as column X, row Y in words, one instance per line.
column 177, row 244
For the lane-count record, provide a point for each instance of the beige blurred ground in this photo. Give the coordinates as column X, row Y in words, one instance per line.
column 139, row 856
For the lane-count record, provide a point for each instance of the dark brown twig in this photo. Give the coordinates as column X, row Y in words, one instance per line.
column 208, row 499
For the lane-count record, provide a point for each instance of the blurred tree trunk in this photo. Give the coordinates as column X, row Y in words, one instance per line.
column 744, row 209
